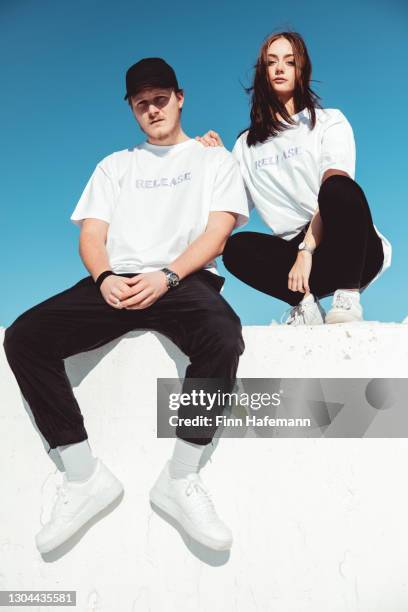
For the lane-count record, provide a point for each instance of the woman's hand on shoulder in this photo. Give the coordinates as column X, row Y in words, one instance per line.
column 210, row 139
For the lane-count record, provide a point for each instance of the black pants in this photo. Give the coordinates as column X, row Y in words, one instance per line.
column 349, row 256
column 193, row 315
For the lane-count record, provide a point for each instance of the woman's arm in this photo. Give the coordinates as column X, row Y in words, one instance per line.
column 314, row 234
column 298, row 279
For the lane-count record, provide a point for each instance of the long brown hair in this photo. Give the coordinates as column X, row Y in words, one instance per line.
column 265, row 104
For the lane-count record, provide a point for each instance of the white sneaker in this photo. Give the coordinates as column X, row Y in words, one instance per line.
column 76, row 504
column 345, row 308
column 308, row 312
column 189, row 502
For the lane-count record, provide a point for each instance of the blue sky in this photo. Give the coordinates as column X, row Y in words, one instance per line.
column 62, row 110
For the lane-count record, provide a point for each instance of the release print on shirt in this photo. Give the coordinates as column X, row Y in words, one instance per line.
column 163, row 182
column 278, row 158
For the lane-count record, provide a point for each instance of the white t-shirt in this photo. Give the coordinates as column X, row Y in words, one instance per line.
column 157, row 199
column 283, row 174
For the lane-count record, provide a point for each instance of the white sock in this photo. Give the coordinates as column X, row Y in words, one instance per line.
column 186, row 458
column 79, row 463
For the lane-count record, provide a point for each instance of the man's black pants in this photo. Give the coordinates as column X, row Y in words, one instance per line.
column 349, row 256
column 193, row 315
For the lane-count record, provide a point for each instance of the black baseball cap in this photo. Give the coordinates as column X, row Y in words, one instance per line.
column 149, row 72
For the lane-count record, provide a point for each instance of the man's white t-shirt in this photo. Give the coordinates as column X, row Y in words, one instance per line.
column 283, row 174
column 157, row 200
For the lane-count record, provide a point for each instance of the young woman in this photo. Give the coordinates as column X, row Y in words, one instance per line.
column 297, row 160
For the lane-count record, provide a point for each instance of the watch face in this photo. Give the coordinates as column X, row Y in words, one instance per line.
column 173, row 279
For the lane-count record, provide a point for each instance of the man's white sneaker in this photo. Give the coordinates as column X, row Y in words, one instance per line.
column 188, row 501
column 77, row 502
column 308, row 312
column 346, row 308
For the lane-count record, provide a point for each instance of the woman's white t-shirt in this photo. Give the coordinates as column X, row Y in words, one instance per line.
column 283, row 174
column 157, row 200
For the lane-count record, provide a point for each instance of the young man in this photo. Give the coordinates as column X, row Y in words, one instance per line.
column 152, row 218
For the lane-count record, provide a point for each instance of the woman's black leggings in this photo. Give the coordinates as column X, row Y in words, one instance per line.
column 349, row 256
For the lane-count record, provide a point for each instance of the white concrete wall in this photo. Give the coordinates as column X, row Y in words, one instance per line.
column 320, row 525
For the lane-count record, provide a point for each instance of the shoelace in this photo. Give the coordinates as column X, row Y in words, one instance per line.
column 342, row 301
column 293, row 314
column 62, row 500
column 203, row 501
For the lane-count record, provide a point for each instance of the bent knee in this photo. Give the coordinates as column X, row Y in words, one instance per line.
column 18, row 337
column 339, row 184
column 12, row 340
column 10, row 345
column 342, row 191
column 226, row 332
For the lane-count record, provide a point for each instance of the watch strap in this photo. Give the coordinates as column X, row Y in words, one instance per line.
column 102, row 277
column 169, row 274
column 303, row 247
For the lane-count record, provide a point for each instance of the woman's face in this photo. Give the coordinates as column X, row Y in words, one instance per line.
column 281, row 66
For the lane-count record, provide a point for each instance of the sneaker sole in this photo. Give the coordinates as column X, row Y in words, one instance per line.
column 167, row 505
column 341, row 318
column 106, row 498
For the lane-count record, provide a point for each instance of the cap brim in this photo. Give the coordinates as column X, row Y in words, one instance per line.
column 152, row 83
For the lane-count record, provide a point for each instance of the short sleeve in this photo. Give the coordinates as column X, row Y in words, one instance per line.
column 250, row 201
column 338, row 147
column 229, row 192
column 237, row 154
column 97, row 199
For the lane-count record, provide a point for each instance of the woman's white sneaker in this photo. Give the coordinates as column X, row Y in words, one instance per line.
column 76, row 504
column 188, row 501
column 308, row 312
column 346, row 307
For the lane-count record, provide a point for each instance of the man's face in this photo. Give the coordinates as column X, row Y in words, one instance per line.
column 157, row 111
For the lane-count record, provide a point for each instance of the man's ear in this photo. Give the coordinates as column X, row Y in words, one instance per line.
column 180, row 98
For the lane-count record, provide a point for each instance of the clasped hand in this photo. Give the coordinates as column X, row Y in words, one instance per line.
column 134, row 293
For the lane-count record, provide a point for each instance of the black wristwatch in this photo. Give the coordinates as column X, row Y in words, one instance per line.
column 171, row 277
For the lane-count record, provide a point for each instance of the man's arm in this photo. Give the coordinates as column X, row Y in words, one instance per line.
column 152, row 285
column 92, row 249
column 206, row 247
